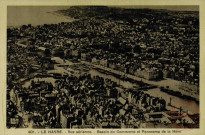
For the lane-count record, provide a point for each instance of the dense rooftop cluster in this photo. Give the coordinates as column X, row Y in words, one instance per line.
column 169, row 42
column 86, row 102
column 150, row 44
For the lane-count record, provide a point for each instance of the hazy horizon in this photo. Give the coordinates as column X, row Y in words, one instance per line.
column 172, row 7
column 38, row 15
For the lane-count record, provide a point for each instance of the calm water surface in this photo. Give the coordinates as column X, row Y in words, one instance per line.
column 35, row 15
column 187, row 105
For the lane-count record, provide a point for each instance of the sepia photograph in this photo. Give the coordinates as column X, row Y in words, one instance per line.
column 103, row 67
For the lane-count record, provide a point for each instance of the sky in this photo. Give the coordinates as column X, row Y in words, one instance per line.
column 173, row 7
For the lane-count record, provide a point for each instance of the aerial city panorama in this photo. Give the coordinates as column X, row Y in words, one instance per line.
column 102, row 67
